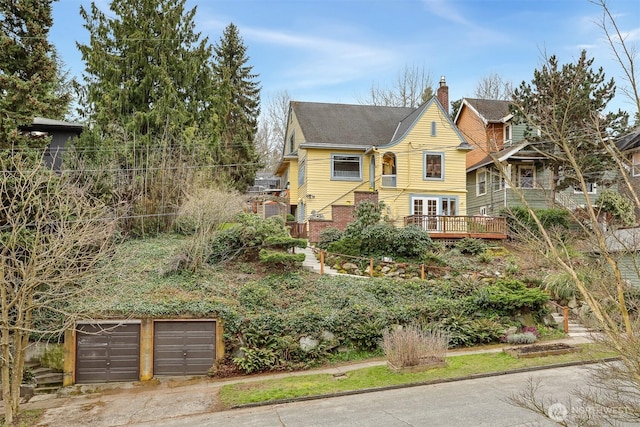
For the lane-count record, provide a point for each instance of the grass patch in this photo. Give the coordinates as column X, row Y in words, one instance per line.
column 27, row 418
column 381, row 376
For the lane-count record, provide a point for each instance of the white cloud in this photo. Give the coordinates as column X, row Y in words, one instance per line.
column 444, row 9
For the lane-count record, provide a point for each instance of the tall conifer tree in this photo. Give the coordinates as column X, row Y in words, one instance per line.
column 237, row 108
column 29, row 79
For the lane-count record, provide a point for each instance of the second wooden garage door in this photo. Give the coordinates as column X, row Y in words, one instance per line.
column 183, row 348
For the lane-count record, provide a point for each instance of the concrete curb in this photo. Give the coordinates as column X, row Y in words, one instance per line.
column 423, row 383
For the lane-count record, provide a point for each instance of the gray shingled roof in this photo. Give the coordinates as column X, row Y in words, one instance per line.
column 492, row 110
column 629, row 141
column 345, row 124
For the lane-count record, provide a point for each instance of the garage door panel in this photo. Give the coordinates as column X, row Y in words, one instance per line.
column 183, row 348
column 107, row 353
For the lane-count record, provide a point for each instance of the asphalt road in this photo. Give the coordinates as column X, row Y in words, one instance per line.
column 478, row 402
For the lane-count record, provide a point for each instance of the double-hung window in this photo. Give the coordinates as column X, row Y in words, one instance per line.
column 481, row 182
column 433, row 165
column 302, row 167
column 346, row 167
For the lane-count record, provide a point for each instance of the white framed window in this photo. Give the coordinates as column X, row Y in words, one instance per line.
column 434, row 129
column 498, row 182
column 635, row 164
column 507, row 134
column 449, row 206
column 591, row 188
column 347, row 167
column 483, row 210
column 481, row 182
column 526, row 176
column 433, row 166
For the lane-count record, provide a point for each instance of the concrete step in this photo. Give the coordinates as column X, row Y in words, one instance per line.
column 50, row 378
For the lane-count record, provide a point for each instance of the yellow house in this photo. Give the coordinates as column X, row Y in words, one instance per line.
column 412, row 159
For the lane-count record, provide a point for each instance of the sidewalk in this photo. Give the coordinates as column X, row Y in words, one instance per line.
column 159, row 401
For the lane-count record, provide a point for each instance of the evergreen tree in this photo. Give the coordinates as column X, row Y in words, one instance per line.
column 146, row 73
column 564, row 108
column 237, row 108
column 29, row 78
column 148, row 92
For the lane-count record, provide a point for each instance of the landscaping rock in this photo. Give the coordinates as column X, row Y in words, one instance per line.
column 308, row 343
column 349, row 266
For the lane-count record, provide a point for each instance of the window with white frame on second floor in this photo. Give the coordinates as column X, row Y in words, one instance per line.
column 481, row 182
column 497, row 181
column 346, row 167
column 635, row 164
column 526, row 176
column 433, row 165
column 507, row 134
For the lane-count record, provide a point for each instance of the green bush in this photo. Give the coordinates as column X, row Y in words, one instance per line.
column 256, row 360
column 346, row 246
column 519, row 219
column 471, row 246
column 367, row 214
column 619, row 206
column 328, row 236
column 377, row 239
column 279, row 258
column 247, row 236
column 411, row 242
column 509, row 297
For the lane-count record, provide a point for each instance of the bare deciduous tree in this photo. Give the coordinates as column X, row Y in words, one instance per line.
column 494, row 87
column 52, row 239
column 272, row 128
column 624, row 53
column 412, row 87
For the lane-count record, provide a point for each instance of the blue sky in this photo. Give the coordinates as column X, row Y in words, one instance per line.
column 334, row 50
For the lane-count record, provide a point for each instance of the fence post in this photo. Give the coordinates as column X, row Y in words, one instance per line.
column 370, row 267
column 422, row 271
column 321, row 261
column 566, row 320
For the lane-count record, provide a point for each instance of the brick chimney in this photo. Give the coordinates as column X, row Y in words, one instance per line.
column 443, row 94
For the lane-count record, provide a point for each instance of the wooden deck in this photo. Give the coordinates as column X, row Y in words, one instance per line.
column 459, row 227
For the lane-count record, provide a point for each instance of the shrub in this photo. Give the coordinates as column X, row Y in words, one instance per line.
column 411, row 346
column 328, row 236
column 247, row 236
column 471, row 246
column 619, row 206
column 256, row 360
column 510, row 296
column 367, row 334
column 345, row 246
column 465, row 331
column 411, row 242
column 207, row 208
column 377, row 239
column 521, row 338
column 561, row 287
column 367, row 213
column 519, row 219
column 280, row 258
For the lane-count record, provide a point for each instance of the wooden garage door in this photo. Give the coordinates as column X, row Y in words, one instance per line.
column 183, row 348
column 107, row 353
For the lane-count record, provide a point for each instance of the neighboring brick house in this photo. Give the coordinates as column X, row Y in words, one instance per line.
column 412, row 159
column 488, row 126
